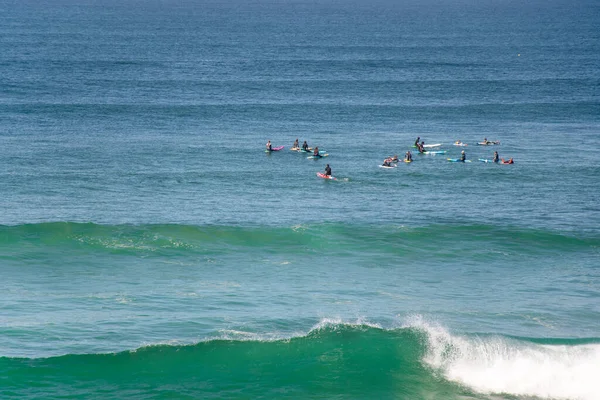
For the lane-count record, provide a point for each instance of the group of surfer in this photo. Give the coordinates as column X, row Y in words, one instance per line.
column 485, row 142
column 306, row 149
column 390, row 161
column 296, row 146
column 419, row 144
column 496, row 158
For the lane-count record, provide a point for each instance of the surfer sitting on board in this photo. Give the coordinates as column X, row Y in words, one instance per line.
column 421, row 147
column 463, row 156
column 417, row 142
column 408, row 156
column 394, row 159
column 305, row 146
column 387, row 162
column 316, row 153
column 327, row 170
column 296, row 145
column 496, row 157
column 269, row 146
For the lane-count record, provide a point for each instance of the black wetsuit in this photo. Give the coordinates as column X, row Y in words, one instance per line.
column 463, row 157
column 328, row 171
column 305, row 147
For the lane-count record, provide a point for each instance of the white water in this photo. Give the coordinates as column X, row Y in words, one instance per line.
column 496, row 365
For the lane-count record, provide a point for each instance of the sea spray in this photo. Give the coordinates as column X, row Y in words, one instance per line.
column 504, row 365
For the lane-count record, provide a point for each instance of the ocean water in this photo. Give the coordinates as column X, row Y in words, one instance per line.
column 151, row 249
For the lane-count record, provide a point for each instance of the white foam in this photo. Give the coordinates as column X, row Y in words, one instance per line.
column 325, row 323
column 335, row 323
column 515, row 367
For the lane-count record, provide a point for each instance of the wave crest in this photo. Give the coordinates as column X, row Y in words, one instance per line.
column 503, row 365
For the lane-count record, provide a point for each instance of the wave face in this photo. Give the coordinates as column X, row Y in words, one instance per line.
column 166, row 239
column 334, row 360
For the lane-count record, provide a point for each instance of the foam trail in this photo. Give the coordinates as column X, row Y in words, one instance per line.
column 510, row 366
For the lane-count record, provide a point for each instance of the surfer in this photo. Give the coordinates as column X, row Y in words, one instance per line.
column 421, row 147
column 463, row 156
column 387, row 162
column 316, row 152
column 394, row 159
column 496, row 157
column 509, row 161
column 296, row 145
column 408, row 156
column 327, row 170
column 269, row 146
column 417, row 142
column 305, row 146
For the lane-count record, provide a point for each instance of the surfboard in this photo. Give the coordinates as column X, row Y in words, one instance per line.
column 322, row 175
column 317, row 157
column 457, row 160
column 435, row 152
column 274, row 149
column 387, row 166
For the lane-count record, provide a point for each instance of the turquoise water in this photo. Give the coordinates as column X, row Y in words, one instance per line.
column 151, row 249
